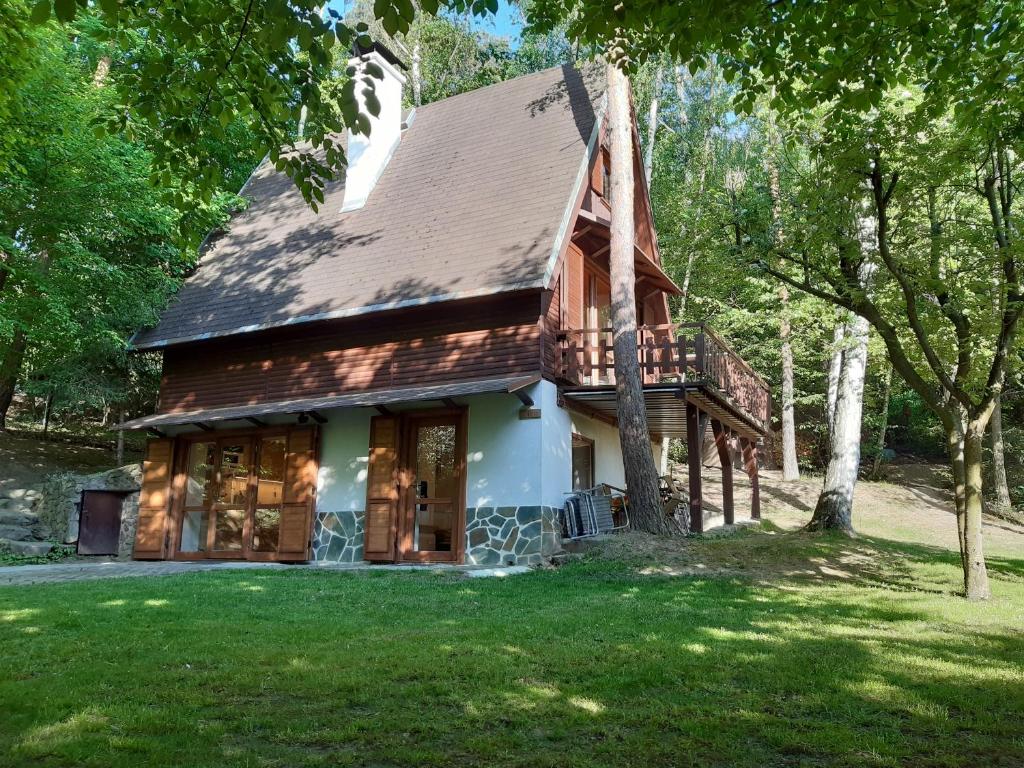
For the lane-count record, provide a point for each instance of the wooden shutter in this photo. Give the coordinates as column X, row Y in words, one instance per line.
column 382, row 490
column 154, row 501
column 299, row 495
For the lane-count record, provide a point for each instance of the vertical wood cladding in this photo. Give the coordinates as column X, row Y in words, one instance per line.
column 431, row 344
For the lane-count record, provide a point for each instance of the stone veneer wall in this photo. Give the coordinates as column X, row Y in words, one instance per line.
column 511, row 535
column 338, row 536
column 60, row 496
column 494, row 535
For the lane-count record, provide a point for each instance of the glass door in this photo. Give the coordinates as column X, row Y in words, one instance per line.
column 433, row 493
column 228, row 530
column 233, row 496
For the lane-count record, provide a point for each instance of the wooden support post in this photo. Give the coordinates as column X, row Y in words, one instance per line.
column 694, row 445
column 721, row 433
column 750, row 464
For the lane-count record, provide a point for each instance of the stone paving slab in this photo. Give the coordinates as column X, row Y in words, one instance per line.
column 56, row 573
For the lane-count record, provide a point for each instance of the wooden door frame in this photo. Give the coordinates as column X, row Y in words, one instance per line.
column 406, row 497
column 179, row 476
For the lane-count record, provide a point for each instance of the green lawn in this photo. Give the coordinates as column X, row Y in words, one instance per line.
column 791, row 650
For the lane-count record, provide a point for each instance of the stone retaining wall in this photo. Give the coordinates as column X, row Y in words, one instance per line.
column 60, row 498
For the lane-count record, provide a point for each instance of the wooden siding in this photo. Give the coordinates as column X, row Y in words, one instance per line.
column 432, row 344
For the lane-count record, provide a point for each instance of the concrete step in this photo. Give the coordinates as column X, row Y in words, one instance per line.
column 35, row 548
column 22, row 517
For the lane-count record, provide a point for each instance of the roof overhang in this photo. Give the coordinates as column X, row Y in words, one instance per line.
column 371, row 398
column 665, row 406
column 645, row 265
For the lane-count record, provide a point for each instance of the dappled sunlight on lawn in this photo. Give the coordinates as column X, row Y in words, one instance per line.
column 597, row 662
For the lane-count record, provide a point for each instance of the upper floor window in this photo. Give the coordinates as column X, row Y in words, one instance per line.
column 606, row 176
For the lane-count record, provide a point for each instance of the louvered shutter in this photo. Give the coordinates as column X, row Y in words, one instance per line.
column 299, row 496
column 154, row 501
column 382, row 490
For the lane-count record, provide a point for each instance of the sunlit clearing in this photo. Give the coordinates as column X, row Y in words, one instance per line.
column 589, row 705
column 18, row 613
column 67, row 730
column 113, row 603
column 156, row 603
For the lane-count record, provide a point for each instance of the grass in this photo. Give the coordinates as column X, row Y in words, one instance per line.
column 783, row 649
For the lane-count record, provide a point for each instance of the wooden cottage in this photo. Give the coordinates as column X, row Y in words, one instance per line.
column 422, row 371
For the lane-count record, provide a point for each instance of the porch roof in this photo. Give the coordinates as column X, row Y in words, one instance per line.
column 376, row 397
column 665, row 405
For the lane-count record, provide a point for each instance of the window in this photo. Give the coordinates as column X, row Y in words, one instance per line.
column 606, row 176
column 582, row 462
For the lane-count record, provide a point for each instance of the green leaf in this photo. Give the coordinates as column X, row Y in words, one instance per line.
column 41, row 12
column 65, row 9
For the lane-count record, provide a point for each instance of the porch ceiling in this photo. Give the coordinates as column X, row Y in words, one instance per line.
column 393, row 396
column 665, row 405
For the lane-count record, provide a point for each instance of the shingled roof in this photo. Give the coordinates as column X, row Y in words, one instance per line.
column 476, row 200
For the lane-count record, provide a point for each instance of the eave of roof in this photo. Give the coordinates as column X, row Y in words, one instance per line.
column 369, row 398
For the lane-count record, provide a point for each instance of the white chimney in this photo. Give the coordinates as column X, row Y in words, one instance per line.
column 368, row 156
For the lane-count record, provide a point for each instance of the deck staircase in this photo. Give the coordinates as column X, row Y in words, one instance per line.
column 21, row 531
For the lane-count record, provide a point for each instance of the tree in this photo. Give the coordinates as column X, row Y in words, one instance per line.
column 91, row 247
column 634, row 435
column 947, row 180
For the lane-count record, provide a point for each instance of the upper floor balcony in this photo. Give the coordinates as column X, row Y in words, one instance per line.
column 685, row 360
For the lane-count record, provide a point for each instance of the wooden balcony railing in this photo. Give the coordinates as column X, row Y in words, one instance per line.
column 669, row 353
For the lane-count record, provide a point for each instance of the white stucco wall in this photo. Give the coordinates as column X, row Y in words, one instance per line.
column 608, row 466
column 503, row 453
column 344, row 454
column 556, row 445
column 510, row 461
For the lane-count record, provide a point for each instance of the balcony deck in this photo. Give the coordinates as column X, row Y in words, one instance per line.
column 680, row 363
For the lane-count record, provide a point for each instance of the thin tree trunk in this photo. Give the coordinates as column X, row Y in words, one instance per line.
column 652, row 127
column 790, row 464
column 417, row 82
column 976, row 585
column 47, row 410
column 834, row 510
column 10, row 370
column 999, row 457
column 880, row 445
column 119, row 454
column 634, row 435
column 835, row 369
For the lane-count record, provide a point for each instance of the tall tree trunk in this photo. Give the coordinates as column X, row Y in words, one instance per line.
column 790, row 464
column 834, row 510
column 999, row 457
column 417, row 81
column 634, row 435
column 880, row 445
column 652, row 127
column 652, row 135
column 834, row 370
column 10, row 370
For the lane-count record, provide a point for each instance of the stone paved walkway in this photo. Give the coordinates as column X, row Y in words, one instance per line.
column 16, row 575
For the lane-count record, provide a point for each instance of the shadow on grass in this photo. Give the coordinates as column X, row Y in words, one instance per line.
column 591, row 665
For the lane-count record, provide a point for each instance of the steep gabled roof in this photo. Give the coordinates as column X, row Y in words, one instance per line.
column 476, row 200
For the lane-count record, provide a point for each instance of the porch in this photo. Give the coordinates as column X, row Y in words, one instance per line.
column 692, row 378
